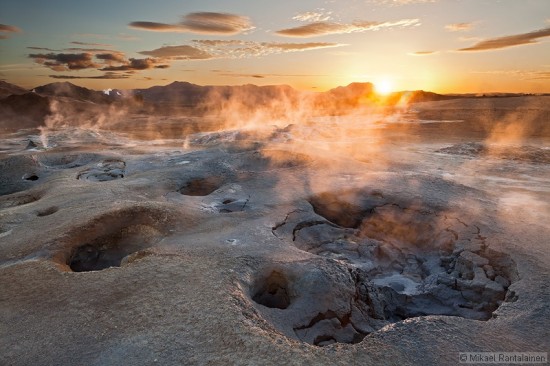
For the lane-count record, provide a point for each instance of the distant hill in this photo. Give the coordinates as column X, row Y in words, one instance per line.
column 7, row 89
column 418, row 96
column 23, row 111
column 68, row 90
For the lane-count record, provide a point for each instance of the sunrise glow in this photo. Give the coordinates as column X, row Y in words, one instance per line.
column 383, row 87
column 442, row 46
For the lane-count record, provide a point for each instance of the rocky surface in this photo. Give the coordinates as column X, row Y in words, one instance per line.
column 284, row 245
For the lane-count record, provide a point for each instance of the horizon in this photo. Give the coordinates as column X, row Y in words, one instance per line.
column 479, row 94
column 446, row 47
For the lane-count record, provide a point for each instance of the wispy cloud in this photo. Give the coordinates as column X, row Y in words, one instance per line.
column 324, row 28
column 459, row 27
column 423, row 53
column 244, row 49
column 42, row 49
column 107, row 75
column 509, row 41
column 5, row 28
column 201, row 23
column 183, row 52
column 319, row 15
column 521, row 74
column 260, row 75
column 92, row 44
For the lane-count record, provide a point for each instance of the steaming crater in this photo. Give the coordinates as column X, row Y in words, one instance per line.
column 395, row 262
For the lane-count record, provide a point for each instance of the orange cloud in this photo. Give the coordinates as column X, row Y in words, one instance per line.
column 459, row 27
column 181, row 52
column 509, row 41
column 201, row 23
column 324, row 28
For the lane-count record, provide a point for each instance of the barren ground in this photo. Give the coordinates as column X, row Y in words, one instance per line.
column 400, row 239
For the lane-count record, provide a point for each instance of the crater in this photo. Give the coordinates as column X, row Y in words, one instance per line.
column 31, row 177
column 65, row 161
column 107, row 170
column 109, row 250
column 47, row 211
column 403, row 261
column 201, row 186
column 112, row 238
column 272, row 291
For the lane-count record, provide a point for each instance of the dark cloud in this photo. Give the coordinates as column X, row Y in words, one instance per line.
column 107, row 75
column 90, row 50
column 111, row 57
column 201, row 23
column 324, row 28
column 509, row 41
column 156, row 27
column 92, row 44
column 9, row 28
column 180, row 52
column 42, row 49
column 65, row 61
column 134, row 64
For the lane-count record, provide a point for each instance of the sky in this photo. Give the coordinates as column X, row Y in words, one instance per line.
column 445, row 46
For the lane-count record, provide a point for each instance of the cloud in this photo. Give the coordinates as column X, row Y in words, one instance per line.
column 521, row 74
column 135, row 64
column 111, row 57
column 4, row 28
column 260, row 76
column 9, row 28
column 107, row 75
column 245, row 49
column 181, row 52
column 324, row 28
column 423, row 53
column 42, row 49
column 509, row 41
column 65, row 61
column 300, row 46
column 89, row 50
column 321, row 15
column 92, row 44
column 216, row 23
column 459, row 27
column 201, row 23
column 156, row 27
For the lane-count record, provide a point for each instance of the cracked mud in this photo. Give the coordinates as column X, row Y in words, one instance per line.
column 394, row 261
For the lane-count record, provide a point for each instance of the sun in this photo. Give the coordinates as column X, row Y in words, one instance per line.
column 383, row 86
